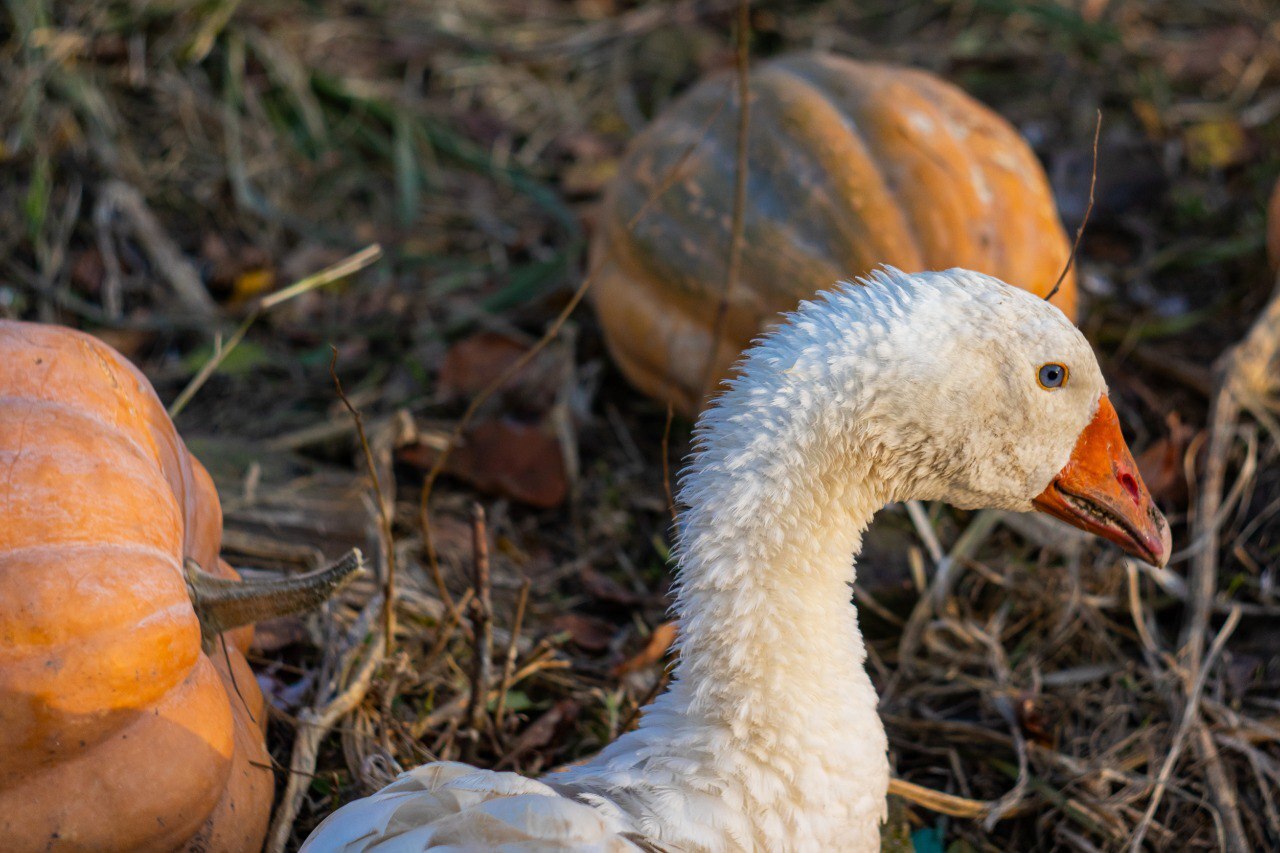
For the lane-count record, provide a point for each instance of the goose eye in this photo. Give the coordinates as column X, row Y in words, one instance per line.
column 1052, row 376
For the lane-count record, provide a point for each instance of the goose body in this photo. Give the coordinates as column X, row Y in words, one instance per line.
column 936, row 386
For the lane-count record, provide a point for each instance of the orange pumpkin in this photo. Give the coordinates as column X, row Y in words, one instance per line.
column 119, row 728
column 851, row 165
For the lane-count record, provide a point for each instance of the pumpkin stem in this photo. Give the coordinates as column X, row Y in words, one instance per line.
column 222, row 604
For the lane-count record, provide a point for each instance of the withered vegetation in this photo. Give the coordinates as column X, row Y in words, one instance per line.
column 170, row 165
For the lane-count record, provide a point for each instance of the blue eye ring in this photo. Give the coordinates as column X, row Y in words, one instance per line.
column 1052, row 376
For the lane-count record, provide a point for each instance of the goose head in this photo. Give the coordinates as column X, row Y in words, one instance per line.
column 986, row 396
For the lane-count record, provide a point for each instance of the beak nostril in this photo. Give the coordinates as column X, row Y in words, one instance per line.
column 1130, row 485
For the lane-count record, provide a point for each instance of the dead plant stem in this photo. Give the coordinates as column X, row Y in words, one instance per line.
column 482, row 618
column 509, row 662
column 384, row 517
column 736, row 225
column 1075, row 245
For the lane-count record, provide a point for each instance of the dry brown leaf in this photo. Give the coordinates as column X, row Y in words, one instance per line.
column 1161, row 463
column 542, row 730
column 502, row 457
column 473, row 363
column 654, row 651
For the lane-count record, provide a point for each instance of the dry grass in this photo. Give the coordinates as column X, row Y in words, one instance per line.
column 1086, row 700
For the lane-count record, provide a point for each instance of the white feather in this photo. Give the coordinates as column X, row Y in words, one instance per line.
column 446, row 805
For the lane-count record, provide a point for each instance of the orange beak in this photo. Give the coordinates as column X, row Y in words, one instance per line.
column 1101, row 491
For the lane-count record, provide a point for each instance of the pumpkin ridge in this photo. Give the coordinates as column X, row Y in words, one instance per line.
column 872, row 255
column 92, row 637
column 993, row 145
column 125, row 546
column 72, row 461
column 956, row 109
column 879, row 99
column 80, row 413
column 796, row 67
column 135, row 409
column 1026, row 242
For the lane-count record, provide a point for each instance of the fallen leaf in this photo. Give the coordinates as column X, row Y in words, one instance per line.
column 1161, row 464
column 587, row 632
column 473, row 363
column 541, row 731
column 654, row 651
column 502, row 457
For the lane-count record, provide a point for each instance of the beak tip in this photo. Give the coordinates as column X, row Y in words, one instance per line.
column 1166, row 544
column 1153, row 542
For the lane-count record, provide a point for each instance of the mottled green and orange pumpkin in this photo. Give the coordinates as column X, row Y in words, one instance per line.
column 125, row 723
column 851, row 165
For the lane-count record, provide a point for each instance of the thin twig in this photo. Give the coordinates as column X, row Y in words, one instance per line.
column 940, row 587
column 482, row 617
column 676, row 172
column 936, row 801
column 509, row 664
column 1093, row 182
column 444, row 632
column 328, row 275
column 736, row 228
column 384, row 517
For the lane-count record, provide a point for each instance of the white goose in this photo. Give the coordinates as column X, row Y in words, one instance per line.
column 948, row 386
